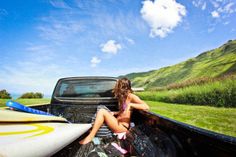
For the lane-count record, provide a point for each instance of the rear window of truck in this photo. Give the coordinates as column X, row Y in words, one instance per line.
column 85, row 88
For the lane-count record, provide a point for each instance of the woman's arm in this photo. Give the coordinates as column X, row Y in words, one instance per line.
column 137, row 103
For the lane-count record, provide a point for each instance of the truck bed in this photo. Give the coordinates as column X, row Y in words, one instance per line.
column 154, row 135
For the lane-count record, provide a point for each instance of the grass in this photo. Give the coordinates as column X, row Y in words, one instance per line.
column 220, row 93
column 220, row 120
column 27, row 102
column 196, row 81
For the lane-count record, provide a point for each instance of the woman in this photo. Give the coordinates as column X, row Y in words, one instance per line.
column 118, row 121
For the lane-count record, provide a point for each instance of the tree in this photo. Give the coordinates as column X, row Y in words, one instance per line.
column 4, row 94
column 31, row 95
column 38, row 95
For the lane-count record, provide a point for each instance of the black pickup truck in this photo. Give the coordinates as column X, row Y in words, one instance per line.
column 150, row 135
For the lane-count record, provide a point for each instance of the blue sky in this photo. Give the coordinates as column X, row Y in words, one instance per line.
column 44, row 40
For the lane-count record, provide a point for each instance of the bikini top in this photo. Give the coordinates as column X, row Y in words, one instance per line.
column 124, row 106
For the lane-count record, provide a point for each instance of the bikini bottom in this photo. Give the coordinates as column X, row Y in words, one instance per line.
column 125, row 126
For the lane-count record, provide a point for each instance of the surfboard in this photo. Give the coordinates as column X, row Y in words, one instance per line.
column 18, row 106
column 37, row 139
column 16, row 116
column 26, row 134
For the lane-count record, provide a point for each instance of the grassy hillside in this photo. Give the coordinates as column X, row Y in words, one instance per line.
column 213, row 63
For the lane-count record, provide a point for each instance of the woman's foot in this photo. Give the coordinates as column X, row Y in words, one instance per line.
column 85, row 140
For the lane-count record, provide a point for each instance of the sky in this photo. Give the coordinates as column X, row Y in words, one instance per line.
column 44, row 40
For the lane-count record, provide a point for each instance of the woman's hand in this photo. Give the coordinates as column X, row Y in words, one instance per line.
column 137, row 103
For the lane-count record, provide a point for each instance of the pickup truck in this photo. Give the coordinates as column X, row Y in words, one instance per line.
column 150, row 135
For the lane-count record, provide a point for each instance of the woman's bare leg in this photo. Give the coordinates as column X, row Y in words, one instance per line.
column 101, row 117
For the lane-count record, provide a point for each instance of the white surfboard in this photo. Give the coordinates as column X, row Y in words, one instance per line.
column 15, row 116
column 28, row 138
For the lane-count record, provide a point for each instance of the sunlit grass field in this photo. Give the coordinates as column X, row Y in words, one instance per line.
column 221, row 120
column 26, row 101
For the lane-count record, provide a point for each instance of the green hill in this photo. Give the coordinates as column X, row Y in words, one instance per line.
column 214, row 63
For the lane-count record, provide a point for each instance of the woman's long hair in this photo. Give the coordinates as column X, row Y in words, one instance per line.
column 121, row 91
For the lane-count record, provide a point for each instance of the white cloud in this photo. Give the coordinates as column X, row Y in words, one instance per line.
column 209, row 30
column 215, row 14
column 110, row 47
column 59, row 4
column 40, row 53
column 94, row 61
column 122, row 24
column 226, row 23
column 224, row 8
column 58, row 30
column 3, row 12
column 37, row 70
column 130, row 41
column 36, row 48
column 218, row 9
column 32, row 76
column 228, row 8
column 62, row 25
column 215, row 4
column 204, row 6
column 162, row 16
column 195, row 3
column 199, row 4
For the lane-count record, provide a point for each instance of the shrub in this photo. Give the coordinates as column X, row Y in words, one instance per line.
column 4, row 94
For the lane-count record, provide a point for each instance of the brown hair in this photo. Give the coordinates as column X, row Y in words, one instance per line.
column 121, row 91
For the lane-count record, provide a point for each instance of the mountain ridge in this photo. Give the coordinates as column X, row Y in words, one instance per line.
column 213, row 63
